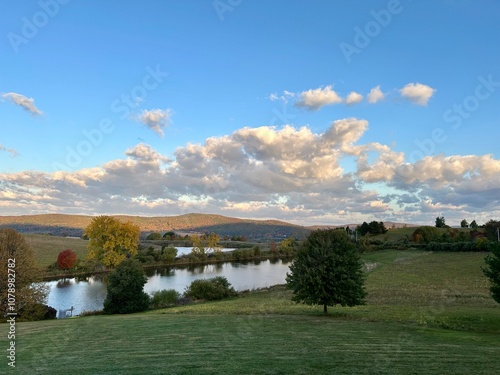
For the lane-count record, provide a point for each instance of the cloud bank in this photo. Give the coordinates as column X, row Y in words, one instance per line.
column 285, row 172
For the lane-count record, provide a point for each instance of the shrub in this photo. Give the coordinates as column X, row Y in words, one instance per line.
column 210, row 289
column 257, row 252
column 164, row 298
column 426, row 234
column 154, row 236
column 37, row 311
column 168, row 254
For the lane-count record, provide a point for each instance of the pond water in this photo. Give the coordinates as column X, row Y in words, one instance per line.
column 88, row 294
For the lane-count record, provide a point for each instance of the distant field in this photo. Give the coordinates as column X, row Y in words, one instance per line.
column 426, row 313
column 47, row 248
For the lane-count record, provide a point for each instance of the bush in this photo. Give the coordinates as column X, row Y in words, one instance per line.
column 37, row 311
column 154, row 236
column 426, row 234
column 164, row 298
column 470, row 246
column 168, row 254
column 210, row 289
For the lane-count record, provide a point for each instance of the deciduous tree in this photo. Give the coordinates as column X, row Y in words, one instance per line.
column 440, row 222
column 327, row 271
column 126, row 289
column 66, row 259
column 492, row 271
column 18, row 272
column 111, row 240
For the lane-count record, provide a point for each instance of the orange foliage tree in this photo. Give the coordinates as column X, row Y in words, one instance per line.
column 66, row 259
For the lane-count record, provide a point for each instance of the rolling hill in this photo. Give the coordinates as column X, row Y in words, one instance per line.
column 73, row 225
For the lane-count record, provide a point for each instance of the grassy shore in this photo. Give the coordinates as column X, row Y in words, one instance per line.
column 426, row 313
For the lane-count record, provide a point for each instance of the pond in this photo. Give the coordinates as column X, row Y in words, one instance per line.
column 88, row 294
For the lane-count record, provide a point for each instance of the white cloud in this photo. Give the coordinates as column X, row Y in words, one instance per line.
column 28, row 104
column 314, row 99
column 417, row 93
column 284, row 97
column 155, row 119
column 284, row 172
column 353, row 98
column 375, row 95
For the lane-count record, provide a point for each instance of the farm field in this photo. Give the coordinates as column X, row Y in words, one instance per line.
column 47, row 248
column 426, row 313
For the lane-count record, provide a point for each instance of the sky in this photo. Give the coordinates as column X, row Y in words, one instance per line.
column 313, row 112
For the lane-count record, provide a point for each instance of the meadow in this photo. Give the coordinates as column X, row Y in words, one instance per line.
column 47, row 248
column 426, row 313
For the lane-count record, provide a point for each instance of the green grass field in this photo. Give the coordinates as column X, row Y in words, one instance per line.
column 47, row 248
column 426, row 313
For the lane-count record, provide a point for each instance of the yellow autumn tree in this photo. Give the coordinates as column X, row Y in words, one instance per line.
column 111, row 240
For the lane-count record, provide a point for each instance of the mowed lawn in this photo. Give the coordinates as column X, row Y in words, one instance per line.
column 426, row 313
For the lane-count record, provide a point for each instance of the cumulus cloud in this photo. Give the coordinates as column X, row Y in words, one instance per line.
column 155, row 119
column 417, row 93
column 284, row 172
column 28, row 104
column 353, row 98
column 13, row 153
column 375, row 95
column 314, row 99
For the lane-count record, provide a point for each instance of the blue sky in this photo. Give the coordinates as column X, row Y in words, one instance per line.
column 323, row 112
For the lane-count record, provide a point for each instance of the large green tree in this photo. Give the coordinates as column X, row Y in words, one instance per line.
column 440, row 222
column 111, row 240
column 492, row 271
column 491, row 229
column 18, row 272
column 327, row 270
column 126, row 289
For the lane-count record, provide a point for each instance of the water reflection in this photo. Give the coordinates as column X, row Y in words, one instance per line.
column 87, row 294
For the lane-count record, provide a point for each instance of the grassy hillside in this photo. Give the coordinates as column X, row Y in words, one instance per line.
column 47, row 248
column 425, row 314
column 73, row 225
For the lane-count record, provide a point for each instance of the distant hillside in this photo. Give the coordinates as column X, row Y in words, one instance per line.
column 73, row 225
column 387, row 224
